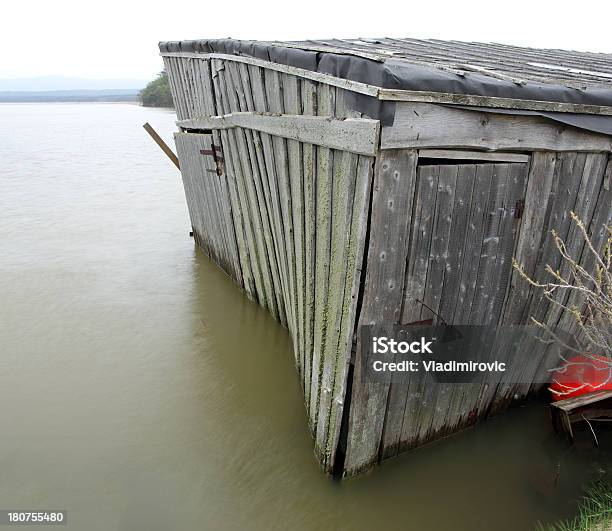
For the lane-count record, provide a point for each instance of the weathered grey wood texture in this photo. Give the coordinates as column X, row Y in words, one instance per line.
column 426, row 125
column 456, row 252
column 294, row 223
column 297, row 212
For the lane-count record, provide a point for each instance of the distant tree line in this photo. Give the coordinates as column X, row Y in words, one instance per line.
column 157, row 92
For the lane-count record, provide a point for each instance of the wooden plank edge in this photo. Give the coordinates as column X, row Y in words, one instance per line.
column 472, row 155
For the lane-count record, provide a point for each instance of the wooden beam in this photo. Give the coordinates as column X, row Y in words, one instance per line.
column 423, row 125
column 489, row 101
column 472, row 155
column 164, row 147
column 356, row 135
column 354, row 86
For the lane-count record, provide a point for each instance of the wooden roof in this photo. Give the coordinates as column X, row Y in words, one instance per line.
column 580, row 70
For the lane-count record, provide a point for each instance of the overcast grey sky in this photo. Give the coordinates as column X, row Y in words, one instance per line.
column 118, row 38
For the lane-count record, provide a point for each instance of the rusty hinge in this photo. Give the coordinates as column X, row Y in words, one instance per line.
column 519, row 207
column 214, row 152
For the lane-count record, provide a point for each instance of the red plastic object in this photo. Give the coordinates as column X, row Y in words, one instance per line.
column 581, row 375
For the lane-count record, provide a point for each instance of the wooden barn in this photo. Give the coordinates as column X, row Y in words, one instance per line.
column 341, row 182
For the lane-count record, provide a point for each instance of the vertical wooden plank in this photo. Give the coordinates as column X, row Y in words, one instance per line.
column 343, row 188
column 457, row 241
column 324, row 183
column 474, row 242
column 538, row 191
column 509, row 227
column 242, row 177
column 242, row 76
column 440, row 241
column 231, row 170
column 192, row 207
column 420, row 242
column 403, row 422
column 567, row 181
column 490, row 244
column 264, row 252
column 382, row 301
column 226, row 208
column 355, row 250
column 438, row 394
column 309, row 107
column 292, row 104
column 274, row 98
column 274, row 207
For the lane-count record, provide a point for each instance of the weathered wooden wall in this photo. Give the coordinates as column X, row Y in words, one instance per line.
column 453, row 250
column 288, row 212
column 286, row 219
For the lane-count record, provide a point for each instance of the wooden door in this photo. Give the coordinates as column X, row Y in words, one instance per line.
column 464, row 226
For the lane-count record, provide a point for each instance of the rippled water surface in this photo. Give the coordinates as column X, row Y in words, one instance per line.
column 140, row 390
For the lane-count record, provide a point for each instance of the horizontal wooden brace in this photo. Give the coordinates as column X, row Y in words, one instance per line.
column 490, row 101
column 406, row 95
column 425, row 125
column 355, row 135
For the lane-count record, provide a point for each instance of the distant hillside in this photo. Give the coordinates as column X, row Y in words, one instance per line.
column 157, row 92
column 106, row 95
column 55, row 83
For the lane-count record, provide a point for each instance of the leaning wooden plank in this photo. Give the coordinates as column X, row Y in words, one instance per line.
column 215, row 201
column 412, row 310
column 382, row 299
column 182, row 147
column 241, row 76
column 355, row 246
column 292, row 103
column 226, row 207
column 423, row 125
column 250, row 215
column 255, row 201
column 274, row 98
column 357, row 135
column 323, row 193
column 309, row 94
column 272, row 195
column 343, row 189
column 231, row 171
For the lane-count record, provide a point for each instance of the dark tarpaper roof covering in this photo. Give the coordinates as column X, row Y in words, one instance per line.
column 453, row 67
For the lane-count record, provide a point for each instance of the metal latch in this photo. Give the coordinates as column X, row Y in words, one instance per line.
column 214, row 152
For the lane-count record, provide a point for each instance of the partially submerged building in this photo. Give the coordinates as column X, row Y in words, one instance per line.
column 349, row 182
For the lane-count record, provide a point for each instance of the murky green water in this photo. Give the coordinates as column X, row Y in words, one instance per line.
column 139, row 390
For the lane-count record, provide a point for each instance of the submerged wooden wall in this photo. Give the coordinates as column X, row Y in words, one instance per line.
column 452, row 249
column 288, row 213
column 286, row 219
